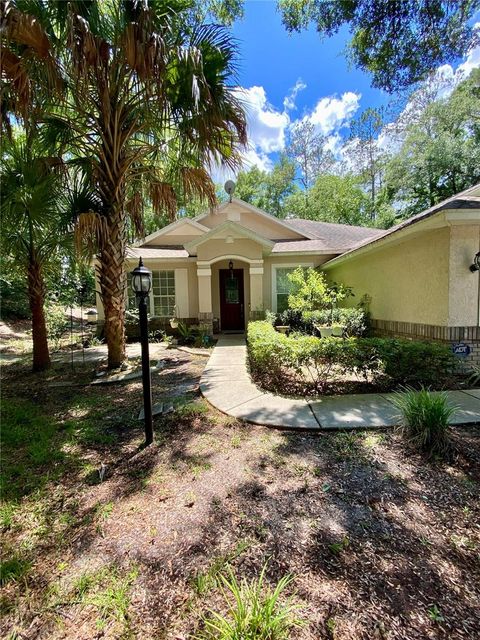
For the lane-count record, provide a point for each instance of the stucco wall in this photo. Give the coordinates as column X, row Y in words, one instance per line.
column 239, row 247
column 265, row 227
column 464, row 286
column 408, row 281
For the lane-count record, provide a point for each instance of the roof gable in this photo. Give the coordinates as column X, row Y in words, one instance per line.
column 249, row 216
column 185, row 227
column 226, row 230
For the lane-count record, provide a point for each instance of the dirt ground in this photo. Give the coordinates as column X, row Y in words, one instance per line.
column 104, row 539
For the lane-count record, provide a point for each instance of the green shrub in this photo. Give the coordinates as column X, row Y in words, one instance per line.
column 57, row 323
column 254, row 611
column 277, row 357
column 187, row 333
column 310, row 291
column 424, row 420
column 414, row 363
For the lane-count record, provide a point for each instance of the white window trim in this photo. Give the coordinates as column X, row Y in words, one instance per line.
column 151, row 296
column 288, row 265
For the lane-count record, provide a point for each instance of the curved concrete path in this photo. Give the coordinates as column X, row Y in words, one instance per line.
column 227, row 385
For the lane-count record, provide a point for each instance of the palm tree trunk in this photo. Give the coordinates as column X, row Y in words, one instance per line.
column 36, row 297
column 112, row 280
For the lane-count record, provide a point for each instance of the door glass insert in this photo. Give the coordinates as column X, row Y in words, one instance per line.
column 231, row 291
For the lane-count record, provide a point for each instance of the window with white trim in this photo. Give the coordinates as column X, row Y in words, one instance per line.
column 283, row 287
column 163, row 293
column 162, row 296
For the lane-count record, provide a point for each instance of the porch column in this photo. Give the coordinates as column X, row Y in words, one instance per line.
column 256, row 290
column 205, row 313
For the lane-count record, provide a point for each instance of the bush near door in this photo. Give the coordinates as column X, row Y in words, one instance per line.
column 308, row 364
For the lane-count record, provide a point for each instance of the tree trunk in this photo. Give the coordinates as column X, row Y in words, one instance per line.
column 112, row 279
column 36, row 297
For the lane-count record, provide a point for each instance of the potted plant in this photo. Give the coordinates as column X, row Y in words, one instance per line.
column 325, row 330
column 282, row 328
column 337, row 330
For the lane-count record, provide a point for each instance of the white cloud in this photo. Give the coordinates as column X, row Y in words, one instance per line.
column 331, row 114
column 289, row 103
column 472, row 61
column 266, row 125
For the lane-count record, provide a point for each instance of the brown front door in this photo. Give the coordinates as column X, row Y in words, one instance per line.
column 231, row 300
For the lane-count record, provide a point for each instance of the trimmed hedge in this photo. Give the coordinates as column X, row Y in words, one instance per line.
column 395, row 361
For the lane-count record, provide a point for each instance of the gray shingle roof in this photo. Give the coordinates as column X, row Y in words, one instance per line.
column 333, row 236
column 455, row 202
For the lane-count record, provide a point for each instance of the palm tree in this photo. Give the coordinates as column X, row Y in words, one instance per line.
column 148, row 107
column 34, row 229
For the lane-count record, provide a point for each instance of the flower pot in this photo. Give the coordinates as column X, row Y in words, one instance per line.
column 282, row 328
column 326, row 332
column 337, row 330
column 174, row 323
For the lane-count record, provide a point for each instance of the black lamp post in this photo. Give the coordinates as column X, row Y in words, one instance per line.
column 141, row 285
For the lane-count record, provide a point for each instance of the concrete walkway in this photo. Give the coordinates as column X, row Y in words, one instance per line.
column 227, row 385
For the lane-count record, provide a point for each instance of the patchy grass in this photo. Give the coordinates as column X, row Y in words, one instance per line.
column 13, row 569
column 102, row 538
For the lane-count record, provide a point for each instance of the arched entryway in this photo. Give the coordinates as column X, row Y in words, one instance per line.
column 230, row 287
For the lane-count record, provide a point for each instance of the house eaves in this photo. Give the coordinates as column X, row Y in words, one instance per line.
column 259, row 212
column 165, row 230
column 241, row 232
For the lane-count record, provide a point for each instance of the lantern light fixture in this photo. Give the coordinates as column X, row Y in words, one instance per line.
column 141, row 280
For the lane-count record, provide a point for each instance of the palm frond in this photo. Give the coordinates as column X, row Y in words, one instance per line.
column 91, row 232
column 196, row 182
column 135, row 211
column 163, row 198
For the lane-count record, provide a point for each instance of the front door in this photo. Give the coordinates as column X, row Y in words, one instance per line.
column 231, row 300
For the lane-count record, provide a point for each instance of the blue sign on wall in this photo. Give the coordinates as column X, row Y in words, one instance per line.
column 461, row 349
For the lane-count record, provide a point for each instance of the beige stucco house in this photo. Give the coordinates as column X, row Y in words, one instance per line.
column 418, row 277
column 228, row 266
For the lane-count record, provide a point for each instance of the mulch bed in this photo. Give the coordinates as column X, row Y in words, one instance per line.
column 381, row 544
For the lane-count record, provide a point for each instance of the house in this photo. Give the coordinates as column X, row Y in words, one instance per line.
column 417, row 275
column 225, row 267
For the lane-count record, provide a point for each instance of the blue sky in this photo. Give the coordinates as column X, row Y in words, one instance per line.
column 275, row 59
column 288, row 77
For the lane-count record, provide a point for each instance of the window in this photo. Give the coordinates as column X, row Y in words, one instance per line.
column 163, row 293
column 283, row 287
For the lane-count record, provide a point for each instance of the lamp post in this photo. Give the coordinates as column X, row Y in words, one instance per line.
column 141, row 285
